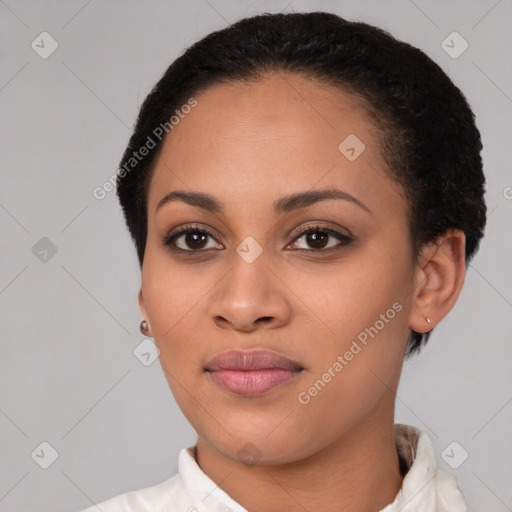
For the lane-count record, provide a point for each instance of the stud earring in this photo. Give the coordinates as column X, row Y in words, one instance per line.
column 428, row 320
column 143, row 327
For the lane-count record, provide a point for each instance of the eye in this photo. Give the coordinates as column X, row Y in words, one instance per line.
column 192, row 239
column 318, row 238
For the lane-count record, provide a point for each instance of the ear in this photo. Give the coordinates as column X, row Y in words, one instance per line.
column 438, row 280
column 143, row 312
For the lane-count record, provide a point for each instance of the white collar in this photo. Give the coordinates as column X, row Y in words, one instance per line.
column 424, row 488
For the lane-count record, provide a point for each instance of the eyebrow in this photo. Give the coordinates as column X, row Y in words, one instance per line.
column 283, row 205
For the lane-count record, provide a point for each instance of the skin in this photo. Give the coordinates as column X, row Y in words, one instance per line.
column 249, row 144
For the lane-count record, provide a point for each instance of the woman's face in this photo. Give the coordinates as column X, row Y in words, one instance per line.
column 336, row 302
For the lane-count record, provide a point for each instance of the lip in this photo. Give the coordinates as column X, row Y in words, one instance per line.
column 251, row 360
column 251, row 373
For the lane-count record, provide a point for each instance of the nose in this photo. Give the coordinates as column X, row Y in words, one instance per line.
column 251, row 297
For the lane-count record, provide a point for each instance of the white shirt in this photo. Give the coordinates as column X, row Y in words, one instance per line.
column 424, row 488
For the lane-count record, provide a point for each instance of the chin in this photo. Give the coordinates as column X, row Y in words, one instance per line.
column 256, row 447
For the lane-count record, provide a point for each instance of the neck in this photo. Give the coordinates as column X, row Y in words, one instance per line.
column 358, row 472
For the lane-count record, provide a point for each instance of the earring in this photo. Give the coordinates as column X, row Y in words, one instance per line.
column 427, row 319
column 143, row 327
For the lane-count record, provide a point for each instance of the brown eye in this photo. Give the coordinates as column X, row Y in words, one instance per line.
column 195, row 240
column 189, row 240
column 317, row 238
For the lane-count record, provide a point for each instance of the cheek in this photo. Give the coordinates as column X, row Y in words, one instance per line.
column 352, row 297
column 361, row 315
column 170, row 294
column 174, row 300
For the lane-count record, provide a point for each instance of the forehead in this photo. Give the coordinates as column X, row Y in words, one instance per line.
column 285, row 133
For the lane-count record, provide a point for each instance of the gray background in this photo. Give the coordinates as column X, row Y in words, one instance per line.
column 69, row 325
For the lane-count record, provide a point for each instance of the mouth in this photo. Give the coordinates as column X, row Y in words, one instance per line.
column 251, row 373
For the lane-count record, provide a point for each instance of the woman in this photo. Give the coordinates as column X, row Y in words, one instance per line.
column 305, row 194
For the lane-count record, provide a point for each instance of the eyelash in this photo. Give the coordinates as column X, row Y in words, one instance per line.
column 344, row 239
